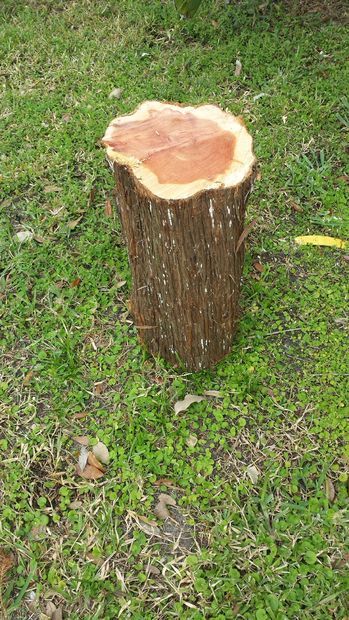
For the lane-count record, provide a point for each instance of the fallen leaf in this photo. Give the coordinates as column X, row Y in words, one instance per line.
column 213, row 393
column 295, row 207
column 153, row 570
column 330, row 490
column 189, row 399
column 92, row 195
column 66, row 118
column 73, row 224
column 48, row 189
column 341, row 562
column 57, row 210
column 24, row 235
column 344, row 177
column 258, row 267
column 166, row 482
column 28, row 377
column 101, row 452
column 151, row 530
column 39, row 239
column 75, row 282
column 238, row 67
column 191, row 441
column 346, row 258
column 259, row 176
column 81, row 415
column 244, row 234
column 148, row 526
column 253, row 473
column 81, row 439
column 83, row 457
column 75, row 505
column 50, row 609
column 108, row 209
column 99, row 387
column 92, row 460
column 320, row 240
column 6, row 563
column 121, row 284
column 160, row 509
column 57, row 614
column 115, row 93
column 90, row 472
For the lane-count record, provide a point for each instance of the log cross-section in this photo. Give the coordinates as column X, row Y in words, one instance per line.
column 183, row 176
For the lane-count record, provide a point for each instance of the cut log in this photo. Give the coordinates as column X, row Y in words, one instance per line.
column 183, row 176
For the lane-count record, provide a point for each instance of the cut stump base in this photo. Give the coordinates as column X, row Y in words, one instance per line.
column 183, row 177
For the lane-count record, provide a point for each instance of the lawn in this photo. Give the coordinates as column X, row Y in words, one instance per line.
column 259, row 468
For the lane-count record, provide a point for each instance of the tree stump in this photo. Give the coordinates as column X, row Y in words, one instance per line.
column 183, row 176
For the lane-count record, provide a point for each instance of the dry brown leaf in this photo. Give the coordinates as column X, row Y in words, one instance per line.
column 90, row 472
column 101, row 451
column 148, row 526
column 81, row 439
column 57, row 614
column 108, row 209
column 253, row 473
column 295, row 207
column 191, row 441
column 344, row 177
column 330, row 490
column 99, row 387
column 346, row 258
column 75, row 282
column 92, row 460
column 75, row 505
column 73, row 224
column 50, row 609
column 165, row 482
column 81, row 415
column 28, row 377
column 39, row 239
column 153, row 570
column 213, row 393
column 151, row 530
column 83, row 456
column 160, row 509
column 91, row 196
column 258, row 267
column 121, row 284
column 189, row 399
column 7, row 562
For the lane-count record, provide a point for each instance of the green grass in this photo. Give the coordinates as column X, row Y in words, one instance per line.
column 274, row 550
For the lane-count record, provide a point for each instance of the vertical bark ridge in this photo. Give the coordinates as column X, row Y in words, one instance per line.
column 185, row 268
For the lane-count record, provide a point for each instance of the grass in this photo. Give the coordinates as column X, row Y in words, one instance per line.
column 278, row 548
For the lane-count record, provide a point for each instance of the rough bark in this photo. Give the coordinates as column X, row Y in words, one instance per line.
column 186, row 266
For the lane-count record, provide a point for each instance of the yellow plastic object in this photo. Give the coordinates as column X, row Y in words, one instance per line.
column 333, row 242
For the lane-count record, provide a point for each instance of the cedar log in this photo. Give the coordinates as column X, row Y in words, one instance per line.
column 183, row 177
